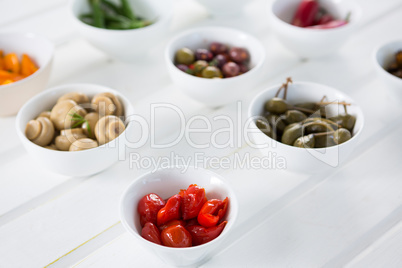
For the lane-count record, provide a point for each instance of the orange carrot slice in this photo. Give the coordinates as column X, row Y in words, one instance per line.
column 28, row 67
column 11, row 63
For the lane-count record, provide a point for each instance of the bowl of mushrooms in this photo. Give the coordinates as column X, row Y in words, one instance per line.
column 76, row 129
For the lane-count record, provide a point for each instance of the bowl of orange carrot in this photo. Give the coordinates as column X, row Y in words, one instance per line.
column 25, row 64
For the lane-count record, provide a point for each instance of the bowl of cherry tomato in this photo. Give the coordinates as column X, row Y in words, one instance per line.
column 182, row 217
column 25, row 65
column 215, row 65
column 312, row 28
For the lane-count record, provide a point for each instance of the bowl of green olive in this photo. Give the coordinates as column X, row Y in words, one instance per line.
column 214, row 65
column 312, row 126
column 76, row 129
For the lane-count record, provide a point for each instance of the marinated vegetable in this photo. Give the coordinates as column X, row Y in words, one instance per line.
column 13, row 70
column 69, row 127
column 186, row 219
column 109, row 15
column 305, row 125
column 219, row 61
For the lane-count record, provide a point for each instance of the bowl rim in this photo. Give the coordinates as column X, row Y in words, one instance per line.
column 62, row 87
column 351, row 24
column 185, row 33
column 305, row 83
column 164, row 17
column 233, row 202
column 378, row 66
column 30, row 35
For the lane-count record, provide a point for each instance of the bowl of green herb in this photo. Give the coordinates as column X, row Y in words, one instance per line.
column 124, row 29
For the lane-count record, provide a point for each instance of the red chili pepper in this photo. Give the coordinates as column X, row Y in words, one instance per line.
column 170, row 223
column 324, row 19
column 212, row 212
column 305, row 13
column 193, row 200
column 329, row 25
column 151, row 233
column 148, row 208
column 176, row 236
column 201, row 235
column 171, row 211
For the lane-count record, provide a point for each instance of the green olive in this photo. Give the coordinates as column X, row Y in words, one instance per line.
column 276, row 105
column 199, row 66
column 184, row 56
column 294, row 116
column 264, row 127
column 324, row 141
column 211, row 72
column 317, row 126
column 291, row 133
column 305, row 141
column 341, row 135
column 345, row 120
column 277, row 123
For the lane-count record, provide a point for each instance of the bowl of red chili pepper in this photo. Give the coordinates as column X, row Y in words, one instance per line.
column 25, row 65
column 182, row 217
column 312, row 28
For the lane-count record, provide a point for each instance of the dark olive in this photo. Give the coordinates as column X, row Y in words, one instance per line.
column 211, row 72
column 184, row 68
column 305, row 141
column 199, row 66
column 218, row 48
column 239, row 55
column 219, row 60
column 276, row 105
column 291, row 133
column 294, row 116
column 345, row 120
column 203, row 54
column 264, row 126
column 341, row 135
column 243, row 68
column 184, row 56
column 231, row 69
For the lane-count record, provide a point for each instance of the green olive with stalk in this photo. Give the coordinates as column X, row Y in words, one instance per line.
column 345, row 120
column 341, row 135
column 294, row 116
column 278, row 123
column 291, row 133
column 264, row 126
column 276, row 105
column 307, row 141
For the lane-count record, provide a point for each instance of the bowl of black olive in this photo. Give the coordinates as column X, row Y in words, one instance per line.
column 214, row 65
column 312, row 127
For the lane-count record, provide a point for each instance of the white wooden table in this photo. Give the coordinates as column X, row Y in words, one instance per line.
column 349, row 216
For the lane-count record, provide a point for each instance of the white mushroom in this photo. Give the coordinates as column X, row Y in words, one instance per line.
column 40, row 131
column 83, row 144
column 78, row 97
column 108, row 128
column 62, row 114
column 107, row 103
column 44, row 114
column 89, row 125
column 68, row 137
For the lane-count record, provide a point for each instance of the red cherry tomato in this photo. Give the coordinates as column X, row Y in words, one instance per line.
column 151, row 233
column 173, row 222
column 193, row 200
column 148, row 208
column 171, row 211
column 176, row 236
column 201, row 235
column 212, row 212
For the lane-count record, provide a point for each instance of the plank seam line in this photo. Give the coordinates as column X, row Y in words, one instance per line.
column 117, row 223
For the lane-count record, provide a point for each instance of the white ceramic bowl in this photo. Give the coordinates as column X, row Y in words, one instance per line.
column 215, row 92
column 303, row 159
column 224, row 7
column 80, row 163
column 309, row 43
column 14, row 95
column 383, row 57
column 165, row 183
column 127, row 45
